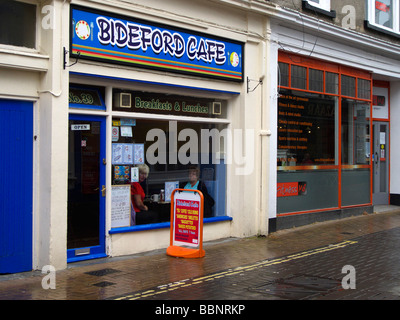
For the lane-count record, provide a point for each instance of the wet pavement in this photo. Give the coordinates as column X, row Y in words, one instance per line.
column 356, row 258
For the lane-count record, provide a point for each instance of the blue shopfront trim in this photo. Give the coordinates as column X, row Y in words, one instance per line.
column 86, row 257
column 85, row 98
column 90, row 75
column 163, row 225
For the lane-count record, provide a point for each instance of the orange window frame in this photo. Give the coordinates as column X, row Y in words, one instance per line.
column 317, row 64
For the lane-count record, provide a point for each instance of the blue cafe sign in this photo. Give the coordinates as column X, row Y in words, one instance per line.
column 116, row 39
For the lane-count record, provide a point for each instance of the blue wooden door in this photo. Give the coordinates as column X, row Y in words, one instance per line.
column 16, row 174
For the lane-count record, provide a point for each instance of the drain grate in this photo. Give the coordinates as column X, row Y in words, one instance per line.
column 102, row 272
column 103, row 284
column 298, row 287
column 314, row 283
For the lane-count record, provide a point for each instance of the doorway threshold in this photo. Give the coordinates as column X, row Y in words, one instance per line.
column 385, row 208
column 86, row 257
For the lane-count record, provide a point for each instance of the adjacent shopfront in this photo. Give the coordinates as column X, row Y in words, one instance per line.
column 325, row 134
column 336, row 115
column 333, row 140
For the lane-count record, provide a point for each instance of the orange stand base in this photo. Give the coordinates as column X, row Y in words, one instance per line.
column 185, row 252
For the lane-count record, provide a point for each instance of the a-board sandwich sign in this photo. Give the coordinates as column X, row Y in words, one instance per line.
column 186, row 234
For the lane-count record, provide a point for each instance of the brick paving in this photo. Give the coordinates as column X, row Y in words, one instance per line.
column 267, row 268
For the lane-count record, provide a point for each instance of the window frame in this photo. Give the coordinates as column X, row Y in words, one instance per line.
column 322, row 7
column 326, row 67
column 343, row 168
column 36, row 27
column 371, row 21
column 323, row 4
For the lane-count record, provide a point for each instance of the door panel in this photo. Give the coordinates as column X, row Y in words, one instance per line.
column 86, row 191
column 381, row 163
column 16, row 179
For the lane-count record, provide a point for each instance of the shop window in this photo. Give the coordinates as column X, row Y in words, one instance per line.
column 172, row 150
column 355, row 152
column 307, row 152
column 348, row 86
column 17, row 24
column 299, row 77
column 384, row 15
column 306, row 129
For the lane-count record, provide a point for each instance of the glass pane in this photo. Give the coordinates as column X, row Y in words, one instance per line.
column 316, row 80
column 364, row 89
column 299, row 77
column 383, row 158
column 83, row 184
column 316, row 190
column 348, row 86
column 355, row 132
column 306, row 132
column 169, row 149
column 355, row 151
column 283, row 74
column 323, row 4
column 17, row 24
column 384, row 13
column 332, row 82
column 359, row 180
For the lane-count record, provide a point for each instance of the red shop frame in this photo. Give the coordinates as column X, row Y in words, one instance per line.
column 317, row 64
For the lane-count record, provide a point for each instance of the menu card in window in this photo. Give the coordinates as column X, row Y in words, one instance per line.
column 169, row 187
column 138, row 153
column 122, row 153
column 120, row 206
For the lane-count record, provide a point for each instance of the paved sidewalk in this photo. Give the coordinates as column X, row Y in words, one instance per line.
column 111, row 278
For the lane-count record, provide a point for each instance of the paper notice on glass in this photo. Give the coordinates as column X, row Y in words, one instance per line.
column 122, row 153
column 382, row 137
column 120, row 206
column 134, row 174
column 169, row 187
column 126, row 132
column 115, row 133
column 138, row 153
column 128, row 154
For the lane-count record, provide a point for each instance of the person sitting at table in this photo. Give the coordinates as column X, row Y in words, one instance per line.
column 195, row 184
column 143, row 214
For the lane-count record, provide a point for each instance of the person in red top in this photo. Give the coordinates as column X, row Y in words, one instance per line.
column 143, row 215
